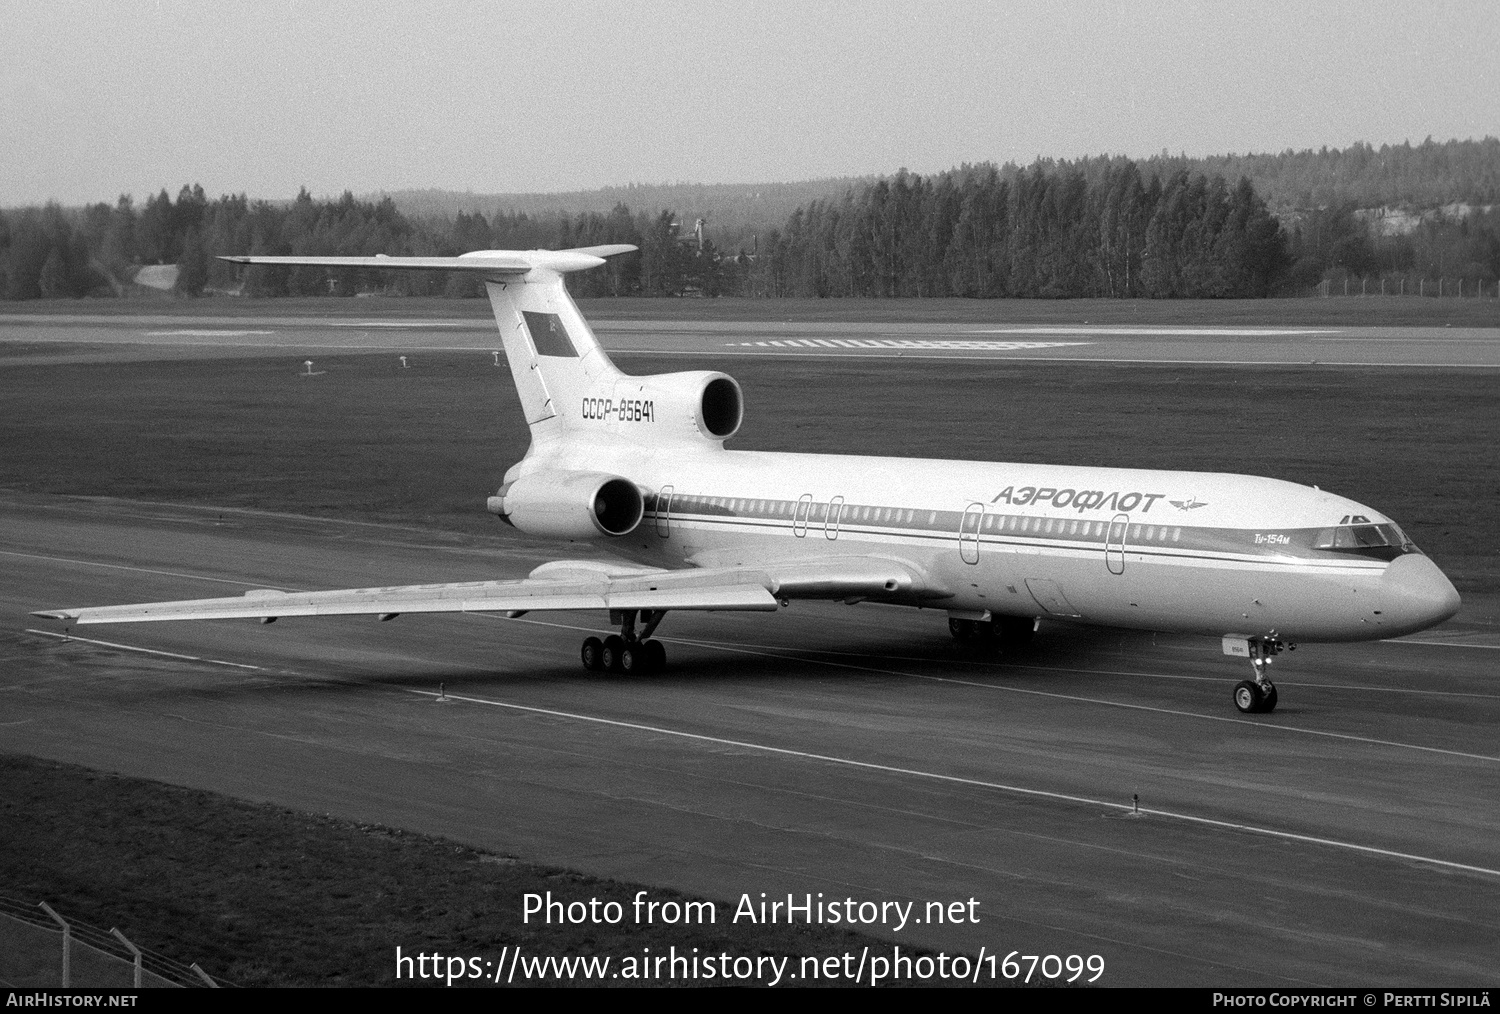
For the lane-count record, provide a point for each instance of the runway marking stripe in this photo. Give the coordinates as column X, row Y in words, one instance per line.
column 291, row 341
column 960, row 780
column 1434, row 340
column 413, row 324
column 144, row 651
column 1167, row 331
column 138, row 570
column 730, row 350
column 204, row 334
column 904, row 343
column 1441, row 644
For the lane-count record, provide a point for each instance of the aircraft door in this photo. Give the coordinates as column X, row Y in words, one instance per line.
column 800, row 516
column 831, row 522
column 1114, row 544
column 968, row 533
column 664, row 512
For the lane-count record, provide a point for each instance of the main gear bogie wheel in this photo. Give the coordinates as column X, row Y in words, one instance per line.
column 593, row 654
column 642, row 657
column 614, row 646
column 632, row 660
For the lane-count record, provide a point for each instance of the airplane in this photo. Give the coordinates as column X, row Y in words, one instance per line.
column 638, row 463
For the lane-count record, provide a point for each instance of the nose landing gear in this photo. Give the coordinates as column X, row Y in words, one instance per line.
column 627, row 652
column 1258, row 696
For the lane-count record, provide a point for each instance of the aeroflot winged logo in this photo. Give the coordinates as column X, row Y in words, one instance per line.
column 1188, row 505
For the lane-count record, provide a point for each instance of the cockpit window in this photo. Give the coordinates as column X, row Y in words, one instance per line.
column 1385, row 541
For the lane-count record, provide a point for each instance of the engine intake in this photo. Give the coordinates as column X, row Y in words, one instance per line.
column 720, row 408
column 573, row 505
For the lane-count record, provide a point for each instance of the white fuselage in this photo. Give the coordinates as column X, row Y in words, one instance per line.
column 1207, row 553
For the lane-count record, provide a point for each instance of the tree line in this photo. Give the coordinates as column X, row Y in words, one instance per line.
column 1363, row 176
column 1051, row 232
column 970, row 232
column 51, row 252
column 1103, row 227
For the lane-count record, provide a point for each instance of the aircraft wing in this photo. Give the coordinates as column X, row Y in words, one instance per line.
column 552, row 586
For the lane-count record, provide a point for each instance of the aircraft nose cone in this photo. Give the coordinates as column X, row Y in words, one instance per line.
column 1416, row 594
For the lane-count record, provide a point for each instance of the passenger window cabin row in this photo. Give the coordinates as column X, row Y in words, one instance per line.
column 845, row 515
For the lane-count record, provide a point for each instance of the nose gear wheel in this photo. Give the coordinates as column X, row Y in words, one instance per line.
column 1258, row 696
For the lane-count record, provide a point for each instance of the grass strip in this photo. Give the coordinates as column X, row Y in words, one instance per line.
column 265, row 896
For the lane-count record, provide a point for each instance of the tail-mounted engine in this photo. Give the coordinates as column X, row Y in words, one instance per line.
column 572, row 505
column 700, row 404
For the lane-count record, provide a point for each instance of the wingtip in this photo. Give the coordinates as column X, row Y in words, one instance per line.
column 55, row 614
column 606, row 250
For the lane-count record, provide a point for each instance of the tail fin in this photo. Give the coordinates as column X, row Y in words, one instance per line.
column 554, row 356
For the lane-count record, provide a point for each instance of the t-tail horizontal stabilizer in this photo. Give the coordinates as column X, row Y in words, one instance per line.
column 552, row 351
column 498, row 263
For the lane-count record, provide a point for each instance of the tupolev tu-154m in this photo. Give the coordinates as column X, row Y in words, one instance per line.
column 639, row 464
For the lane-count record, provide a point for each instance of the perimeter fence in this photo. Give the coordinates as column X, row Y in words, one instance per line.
column 40, row 948
column 1407, row 284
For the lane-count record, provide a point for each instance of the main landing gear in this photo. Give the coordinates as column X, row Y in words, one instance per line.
column 999, row 632
column 1258, row 696
column 627, row 652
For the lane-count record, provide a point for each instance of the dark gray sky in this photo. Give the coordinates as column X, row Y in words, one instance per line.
column 98, row 99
